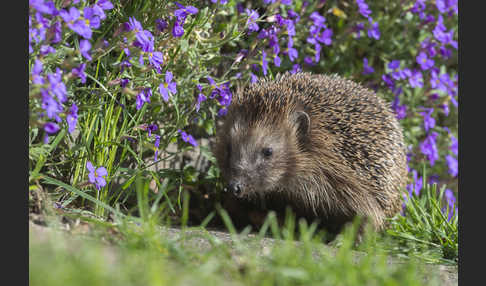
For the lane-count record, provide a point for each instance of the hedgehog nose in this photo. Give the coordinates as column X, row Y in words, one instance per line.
column 235, row 187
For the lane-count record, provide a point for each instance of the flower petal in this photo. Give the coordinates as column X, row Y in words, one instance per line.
column 163, row 92
column 168, row 77
column 101, row 171
column 172, row 87
column 91, row 178
column 90, row 166
column 101, row 182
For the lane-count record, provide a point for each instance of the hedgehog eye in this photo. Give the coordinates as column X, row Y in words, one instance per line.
column 267, row 152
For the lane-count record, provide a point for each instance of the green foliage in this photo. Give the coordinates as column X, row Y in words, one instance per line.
column 146, row 256
column 428, row 228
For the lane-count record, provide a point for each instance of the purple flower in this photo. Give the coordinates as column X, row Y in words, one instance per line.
column 416, row 185
column 251, row 22
column 220, row 1
column 223, row 111
column 388, row 81
column 143, row 96
column 178, row 29
column 253, row 78
column 72, row 118
column 424, row 62
column 429, row 148
column 56, row 31
column 105, row 4
column 357, row 29
column 435, row 80
column 144, row 40
column 39, row 31
column 167, row 86
column 50, row 105
column 156, row 59
column 156, row 145
column 277, row 61
column 444, row 5
column 264, row 62
column 441, row 34
column 293, row 54
column 397, row 90
column 84, row 48
column 161, row 24
column 325, row 37
column 150, row 128
column 445, row 108
column 36, row 71
column 200, row 98
column 374, row 31
column 51, row 127
column 183, row 11
column 309, row 61
column 44, row 7
column 396, row 73
column 363, row 8
column 92, row 20
column 446, row 53
column 124, row 82
column 428, row 46
column 366, row 68
column 429, row 122
column 451, row 200
column 133, row 25
column 454, row 147
column 452, row 165
column 79, row 71
column 418, row 8
column 96, row 176
column 290, row 28
column 56, row 86
column 46, row 49
column 416, row 79
column 124, row 64
column 318, row 20
column 240, row 8
column 70, row 16
column 400, row 110
column 441, row 82
column 295, row 69
column 81, row 26
column 393, row 65
column 100, row 6
column 225, row 95
column 187, row 138
column 215, row 90
column 446, row 82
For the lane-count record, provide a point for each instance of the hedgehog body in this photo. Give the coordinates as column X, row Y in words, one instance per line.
column 326, row 146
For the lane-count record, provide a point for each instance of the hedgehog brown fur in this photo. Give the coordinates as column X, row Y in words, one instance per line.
column 326, row 146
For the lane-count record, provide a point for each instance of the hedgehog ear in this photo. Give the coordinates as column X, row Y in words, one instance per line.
column 302, row 121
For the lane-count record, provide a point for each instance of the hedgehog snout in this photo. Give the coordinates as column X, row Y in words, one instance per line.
column 235, row 187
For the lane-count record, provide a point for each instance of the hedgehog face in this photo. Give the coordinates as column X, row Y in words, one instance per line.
column 255, row 160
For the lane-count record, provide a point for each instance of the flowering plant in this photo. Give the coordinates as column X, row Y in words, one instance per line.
column 118, row 83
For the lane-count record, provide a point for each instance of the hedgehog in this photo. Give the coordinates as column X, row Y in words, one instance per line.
column 323, row 145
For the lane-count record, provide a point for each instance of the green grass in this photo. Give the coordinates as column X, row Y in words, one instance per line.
column 425, row 230
column 134, row 251
column 131, row 254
